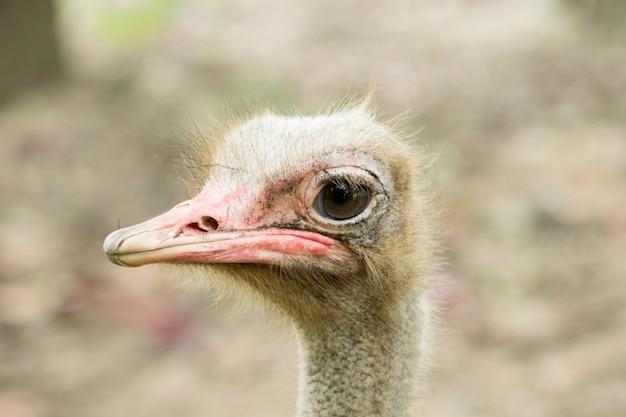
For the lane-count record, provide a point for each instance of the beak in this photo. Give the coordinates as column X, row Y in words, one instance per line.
column 191, row 233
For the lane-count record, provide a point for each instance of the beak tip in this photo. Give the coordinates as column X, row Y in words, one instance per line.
column 111, row 245
column 113, row 242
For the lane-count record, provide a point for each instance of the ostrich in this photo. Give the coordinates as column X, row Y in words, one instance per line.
column 330, row 219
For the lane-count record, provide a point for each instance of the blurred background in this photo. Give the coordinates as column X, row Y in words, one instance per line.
column 524, row 101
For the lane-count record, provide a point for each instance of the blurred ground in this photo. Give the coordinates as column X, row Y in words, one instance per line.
column 525, row 101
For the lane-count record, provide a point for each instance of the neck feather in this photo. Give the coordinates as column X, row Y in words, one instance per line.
column 368, row 365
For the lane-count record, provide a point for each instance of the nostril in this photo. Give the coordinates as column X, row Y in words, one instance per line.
column 208, row 224
column 205, row 224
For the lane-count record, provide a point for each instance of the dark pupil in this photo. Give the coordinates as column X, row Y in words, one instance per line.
column 342, row 200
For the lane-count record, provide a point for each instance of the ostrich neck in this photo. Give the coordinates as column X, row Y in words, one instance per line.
column 362, row 366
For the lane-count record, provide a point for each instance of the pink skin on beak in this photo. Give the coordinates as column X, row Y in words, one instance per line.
column 200, row 231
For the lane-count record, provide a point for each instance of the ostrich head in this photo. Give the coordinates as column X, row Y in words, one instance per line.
column 313, row 212
column 329, row 218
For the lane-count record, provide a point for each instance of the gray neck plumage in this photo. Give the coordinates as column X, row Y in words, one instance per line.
column 368, row 366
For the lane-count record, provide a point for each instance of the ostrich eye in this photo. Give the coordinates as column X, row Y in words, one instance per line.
column 342, row 200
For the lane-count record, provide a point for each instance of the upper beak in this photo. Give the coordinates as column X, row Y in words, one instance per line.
column 182, row 236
